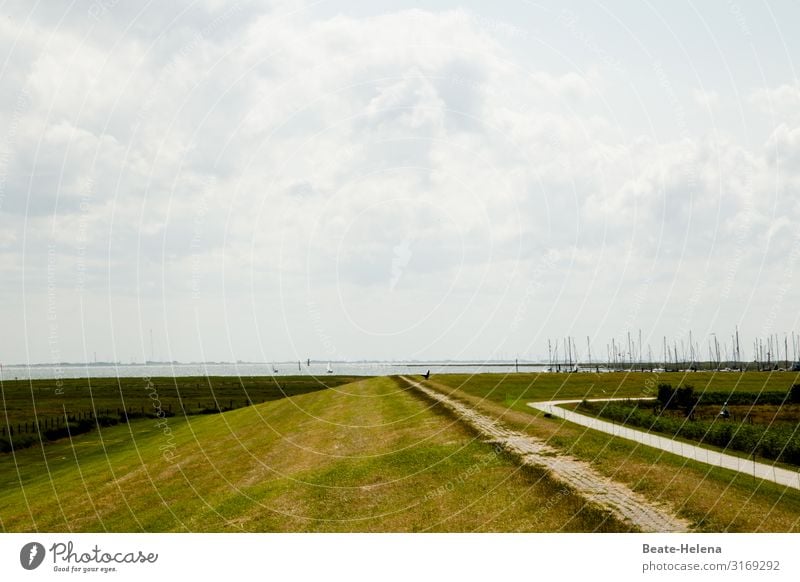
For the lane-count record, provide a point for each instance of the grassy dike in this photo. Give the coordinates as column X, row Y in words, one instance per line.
column 715, row 500
column 365, row 456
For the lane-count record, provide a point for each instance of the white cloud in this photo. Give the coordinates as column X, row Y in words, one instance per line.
column 705, row 98
column 780, row 103
column 278, row 160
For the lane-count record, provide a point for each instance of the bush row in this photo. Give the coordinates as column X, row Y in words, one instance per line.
column 744, row 398
column 72, row 428
column 685, row 396
column 79, row 425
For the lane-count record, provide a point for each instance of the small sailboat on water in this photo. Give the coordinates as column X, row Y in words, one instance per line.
column 274, row 369
column 329, row 370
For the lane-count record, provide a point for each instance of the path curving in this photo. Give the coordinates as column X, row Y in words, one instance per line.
column 621, row 501
column 753, row 468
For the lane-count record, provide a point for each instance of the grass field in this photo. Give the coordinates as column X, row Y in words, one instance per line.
column 364, row 456
column 356, row 455
column 765, row 431
column 714, row 499
column 47, row 408
column 25, row 400
column 515, row 390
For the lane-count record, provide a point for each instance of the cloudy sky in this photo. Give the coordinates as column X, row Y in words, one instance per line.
column 268, row 180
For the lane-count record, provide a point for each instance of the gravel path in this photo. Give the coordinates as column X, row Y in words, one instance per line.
column 764, row 471
column 621, row 501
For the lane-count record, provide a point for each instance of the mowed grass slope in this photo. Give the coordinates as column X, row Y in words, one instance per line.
column 713, row 499
column 366, row 456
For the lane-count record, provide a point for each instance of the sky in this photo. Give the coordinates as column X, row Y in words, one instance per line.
column 274, row 180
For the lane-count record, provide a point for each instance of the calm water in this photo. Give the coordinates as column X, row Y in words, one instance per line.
column 283, row 369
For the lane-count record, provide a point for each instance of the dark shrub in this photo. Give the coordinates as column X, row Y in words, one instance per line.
column 665, row 395
column 107, row 420
column 685, row 399
column 72, row 428
column 22, row 441
column 52, row 434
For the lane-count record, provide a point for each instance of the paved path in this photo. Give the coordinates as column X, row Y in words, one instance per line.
column 761, row 470
column 622, row 502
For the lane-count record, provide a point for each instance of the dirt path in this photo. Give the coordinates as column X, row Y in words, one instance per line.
column 621, row 501
column 750, row 467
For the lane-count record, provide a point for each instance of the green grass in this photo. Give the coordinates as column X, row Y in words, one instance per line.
column 715, row 500
column 516, row 390
column 48, row 402
column 773, row 441
column 364, row 456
